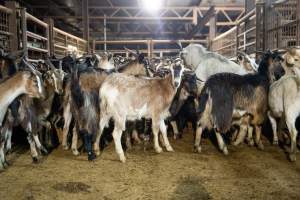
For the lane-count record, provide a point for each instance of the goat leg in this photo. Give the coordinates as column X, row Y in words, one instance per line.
column 221, row 143
column 117, row 134
column 241, row 135
column 249, row 138
column 33, row 150
column 74, row 142
column 290, row 121
column 135, row 136
column 67, row 117
column 163, row 130
column 88, row 145
column 197, row 144
column 258, row 137
column 274, row 128
column 175, row 130
column 155, row 129
column 2, row 156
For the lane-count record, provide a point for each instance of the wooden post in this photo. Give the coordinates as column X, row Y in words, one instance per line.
column 13, row 28
column 94, row 47
column 260, row 26
column 195, row 16
column 24, row 29
column 212, row 28
column 51, row 41
column 237, row 38
column 85, row 18
column 298, row 24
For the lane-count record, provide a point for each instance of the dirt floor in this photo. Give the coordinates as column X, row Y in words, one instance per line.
column 246, row 173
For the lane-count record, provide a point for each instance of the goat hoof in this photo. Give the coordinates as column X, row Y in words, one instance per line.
column 123, row 159
column 235, row 143
column 225, row 151
column 97, row 152
column 44, row 151
column 5, row 165
column 251, row 143
column 261, row 146
column 65, row 147
column 292, row 157
column 197, row 149
column 169, row 149
column 35, row 160
column 75, row 152
column 275, row 142
column 91, row 156
column 158, row 150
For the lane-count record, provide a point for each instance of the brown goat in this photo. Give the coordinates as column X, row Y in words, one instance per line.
column 119, row 101
column 21, row 83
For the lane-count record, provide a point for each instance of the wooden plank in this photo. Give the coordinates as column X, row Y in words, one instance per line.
column 201, row 22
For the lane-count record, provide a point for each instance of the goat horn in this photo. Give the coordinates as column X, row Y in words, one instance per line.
column 259, row 52
column 179, row 44
column 32, row 69
column 60, row 64
column 49, row 63
column 252, row 62
column 130, row 51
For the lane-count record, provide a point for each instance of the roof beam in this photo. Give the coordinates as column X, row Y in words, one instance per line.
column 202, row 21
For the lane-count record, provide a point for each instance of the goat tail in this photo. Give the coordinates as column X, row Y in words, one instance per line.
column 76, row 93
column 221, row 106
column 202, row 100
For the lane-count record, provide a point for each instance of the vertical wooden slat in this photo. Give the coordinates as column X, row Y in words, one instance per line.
column 51, row 41
column 24, row 29
column 14, row 46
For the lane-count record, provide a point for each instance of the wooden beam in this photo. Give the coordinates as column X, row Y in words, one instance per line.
column 50, row 23
column 86, row 27
column 202, row 21
column 13, row 28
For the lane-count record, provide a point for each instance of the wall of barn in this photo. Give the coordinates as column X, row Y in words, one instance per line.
column 265, row 26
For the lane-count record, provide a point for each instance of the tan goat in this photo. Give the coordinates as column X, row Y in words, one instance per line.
column 124, row 97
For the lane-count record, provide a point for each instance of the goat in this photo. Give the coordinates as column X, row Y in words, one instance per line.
column 134, row 68
column 227, row 96
column 206, row 63
column 284, row 98
column 53, row 85
column 21, row 83
column 291, row 60
column 120, row 102
column 84, row 94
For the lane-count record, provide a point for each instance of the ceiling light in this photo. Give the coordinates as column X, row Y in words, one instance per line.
column 152, row 5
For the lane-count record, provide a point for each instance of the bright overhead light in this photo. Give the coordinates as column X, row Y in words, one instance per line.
column 152, row 5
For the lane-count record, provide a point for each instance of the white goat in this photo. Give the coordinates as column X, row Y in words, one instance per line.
column 284, row 103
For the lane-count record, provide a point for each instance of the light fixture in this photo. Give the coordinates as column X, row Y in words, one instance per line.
column 152, row 5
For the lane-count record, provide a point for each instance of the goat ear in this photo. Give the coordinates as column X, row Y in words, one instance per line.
column 290, row 59
column 110, row 56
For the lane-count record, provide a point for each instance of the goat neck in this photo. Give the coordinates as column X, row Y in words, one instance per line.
column 9, row 90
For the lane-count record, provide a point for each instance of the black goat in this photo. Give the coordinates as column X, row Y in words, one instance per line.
column 228, row 97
